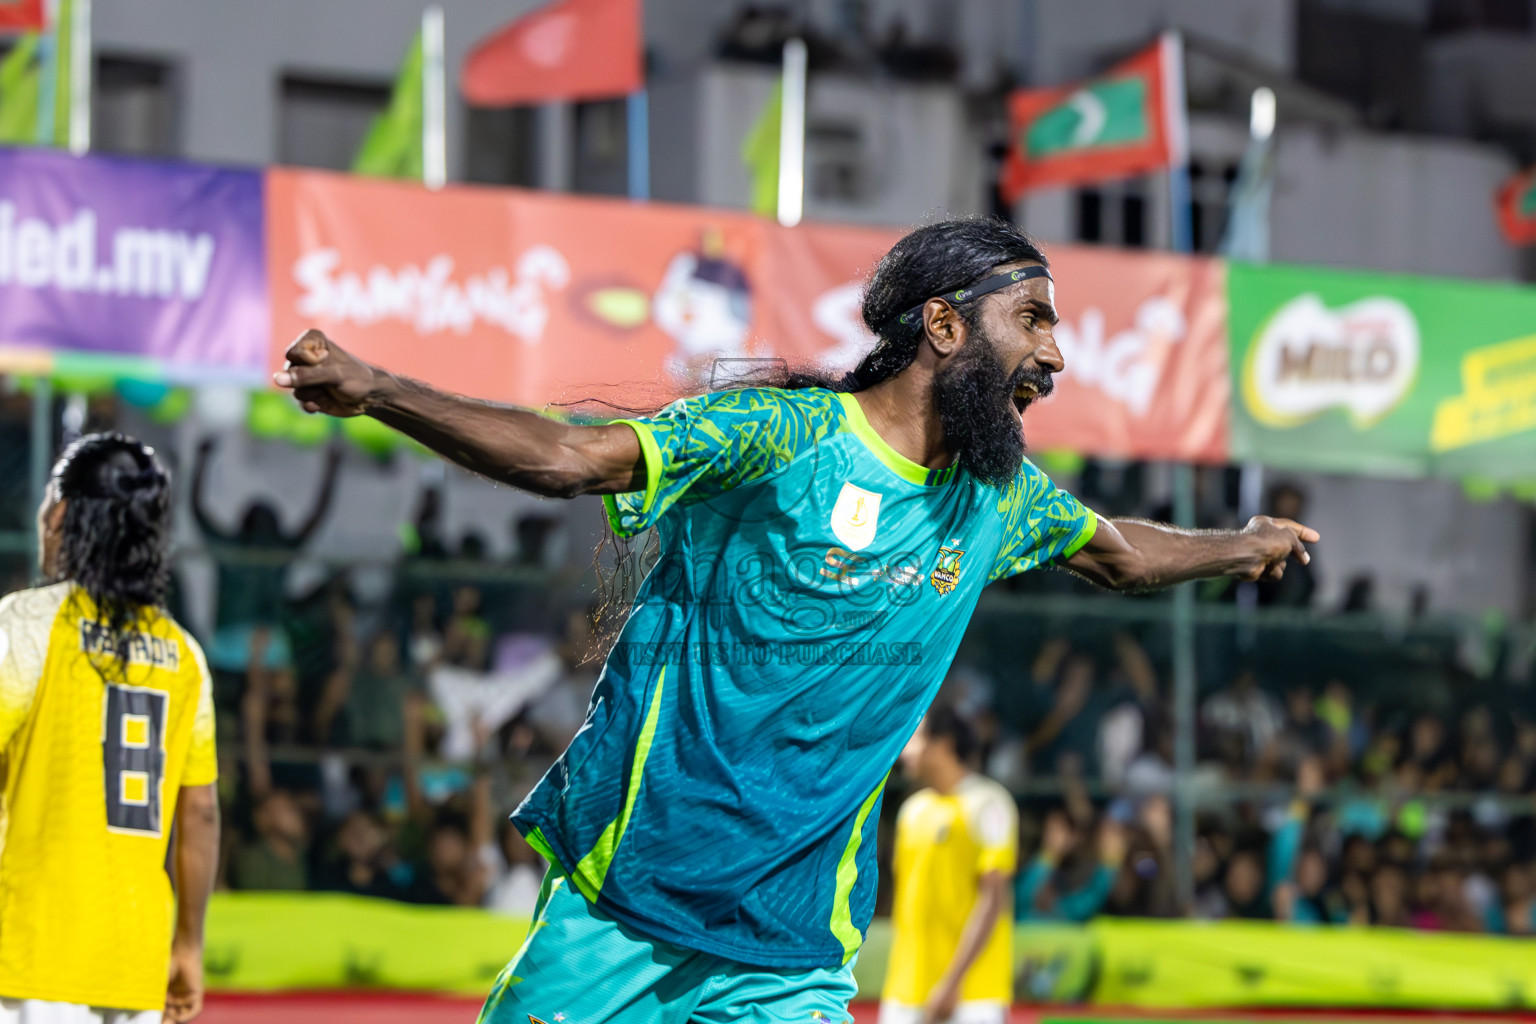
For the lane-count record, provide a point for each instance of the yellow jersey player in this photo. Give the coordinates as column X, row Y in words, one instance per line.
column 957, row 846
column 106, row 742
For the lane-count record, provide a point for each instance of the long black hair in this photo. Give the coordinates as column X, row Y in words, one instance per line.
column 116, row 531
column 930, row 261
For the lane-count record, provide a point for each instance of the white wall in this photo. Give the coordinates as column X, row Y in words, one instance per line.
column 917, row 147
column 231, row 55
column 1389, row 202
column 1480, row 80
column 1073, row 38
column 1406, row 534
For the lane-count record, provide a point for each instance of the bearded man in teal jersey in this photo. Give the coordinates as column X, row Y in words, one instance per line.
column 711, row 829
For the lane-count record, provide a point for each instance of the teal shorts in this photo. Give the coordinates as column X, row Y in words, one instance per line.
column 580, row 966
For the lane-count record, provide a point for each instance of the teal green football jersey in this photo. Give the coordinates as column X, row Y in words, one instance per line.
column 812, row 588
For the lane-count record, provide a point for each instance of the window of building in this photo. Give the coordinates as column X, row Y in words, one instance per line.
column 323, row 121
column 836, row 162
column 601, row 166
column 134, row 106
column 500, row 145
column 1210, row 191
column 1114, row 213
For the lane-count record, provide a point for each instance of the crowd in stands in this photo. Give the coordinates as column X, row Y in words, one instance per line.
column 1315, row 807
column 374, row 739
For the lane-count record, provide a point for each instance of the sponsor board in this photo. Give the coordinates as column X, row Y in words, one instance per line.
column 145, row 259
column 1382, row 374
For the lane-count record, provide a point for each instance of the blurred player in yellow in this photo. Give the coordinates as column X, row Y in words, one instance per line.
column 957, row 846
column 106, row 742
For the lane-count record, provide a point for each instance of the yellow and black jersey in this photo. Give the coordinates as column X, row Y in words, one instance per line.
column 94, row 748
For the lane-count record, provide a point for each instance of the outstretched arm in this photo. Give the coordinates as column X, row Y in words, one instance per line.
column 205, row 523
column 507, row 444
column 323, row 500
column 1133, row 554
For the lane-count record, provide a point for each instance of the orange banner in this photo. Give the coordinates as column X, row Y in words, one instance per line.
column 1144, row 337
column 536, row 298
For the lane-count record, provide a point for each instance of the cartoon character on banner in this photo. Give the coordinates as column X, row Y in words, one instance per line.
column 703, row 303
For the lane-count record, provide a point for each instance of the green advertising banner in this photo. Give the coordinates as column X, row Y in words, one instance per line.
column 1191, row 964
column 1350, row 372
column 264, row 942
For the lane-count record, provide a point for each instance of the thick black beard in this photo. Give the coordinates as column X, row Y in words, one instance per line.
column 974, row 396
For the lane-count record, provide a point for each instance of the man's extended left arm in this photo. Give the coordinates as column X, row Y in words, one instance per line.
column 1134, row 554
column 991, row 898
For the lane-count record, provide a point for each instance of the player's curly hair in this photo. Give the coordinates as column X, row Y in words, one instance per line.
column 115, row 537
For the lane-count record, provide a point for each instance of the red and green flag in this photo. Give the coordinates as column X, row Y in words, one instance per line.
column 1128, row 121
column 1516, row 202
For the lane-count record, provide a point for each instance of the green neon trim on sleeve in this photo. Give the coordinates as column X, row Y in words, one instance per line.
column 847, row 875
column 1084, row 535
column 615, row 518
column 541, row 847
column 652, row 453
column 593, row 869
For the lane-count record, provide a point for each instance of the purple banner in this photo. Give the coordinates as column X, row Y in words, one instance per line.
column 124, row 257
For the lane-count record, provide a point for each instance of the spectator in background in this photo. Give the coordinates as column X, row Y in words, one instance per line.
column 1064, row 743
column 425, row 644
column 453, row 872
column 269, row 715
column 365, row 862
column 252, row 565
column 1135, row 711
column 1242, row 720
column 1144, row 886
column 1053, row 887
column 278, row 857
column 372, row 699
column 1243, row 887
column 956, row 851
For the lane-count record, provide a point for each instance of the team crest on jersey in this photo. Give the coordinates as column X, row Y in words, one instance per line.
column 855, row 517
column 947, row 573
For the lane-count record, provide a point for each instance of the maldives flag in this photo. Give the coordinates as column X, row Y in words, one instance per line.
column 567, row 50
column 1517, row 208
column 1129, row 121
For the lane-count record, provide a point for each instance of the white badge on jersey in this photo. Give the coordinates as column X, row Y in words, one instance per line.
column 855, row 517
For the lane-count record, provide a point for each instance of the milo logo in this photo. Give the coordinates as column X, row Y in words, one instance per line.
column 1307, row 358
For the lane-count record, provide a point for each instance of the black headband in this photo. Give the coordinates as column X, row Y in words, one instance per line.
column 984, row 287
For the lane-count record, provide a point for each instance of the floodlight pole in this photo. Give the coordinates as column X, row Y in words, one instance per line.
column 434, row 87
column 1176, row 129
column 81, row 63
column 792, row 135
